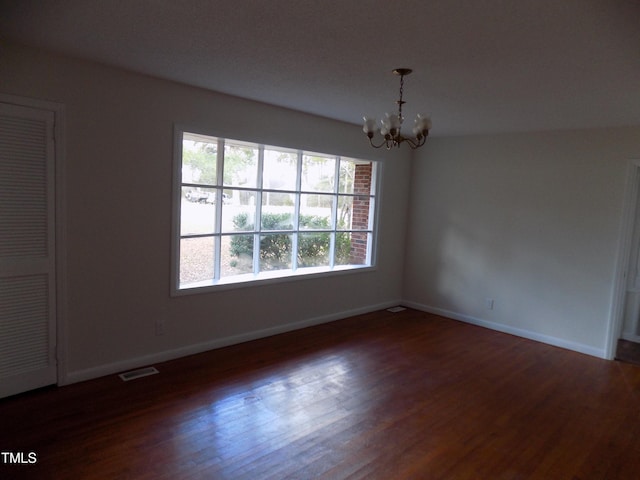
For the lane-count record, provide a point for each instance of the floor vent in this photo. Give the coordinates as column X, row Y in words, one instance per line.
column 395, row 309
column 141, row 372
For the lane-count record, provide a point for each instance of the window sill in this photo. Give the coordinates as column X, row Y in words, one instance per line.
column 271, row 277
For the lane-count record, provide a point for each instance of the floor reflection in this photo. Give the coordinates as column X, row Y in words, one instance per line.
column 278, row 408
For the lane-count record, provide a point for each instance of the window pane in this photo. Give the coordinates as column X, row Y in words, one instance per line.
column 355, row 176
column 351, row 248
column 360, row 214
column 196, row 260
column 239, row 211
column 353, row 212
column 197, row 211
column 318, row 173
column 199, row 159
column 240, row 165
column 278, row 211
column 275, row 251
column 280, row 170
column 279, row 199
column 236, row 255
column 345, row 210
column 347, row 176
column 313, row 249
column 316, row 211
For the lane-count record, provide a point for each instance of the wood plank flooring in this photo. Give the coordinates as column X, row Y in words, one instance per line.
column 385, row 395
column 628, row 352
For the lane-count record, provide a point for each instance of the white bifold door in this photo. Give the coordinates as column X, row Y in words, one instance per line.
column 27, row 249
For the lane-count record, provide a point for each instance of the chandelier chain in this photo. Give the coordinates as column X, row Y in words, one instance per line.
column 400, row 102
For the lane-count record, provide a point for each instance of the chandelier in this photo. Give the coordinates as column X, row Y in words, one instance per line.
column 391, row 124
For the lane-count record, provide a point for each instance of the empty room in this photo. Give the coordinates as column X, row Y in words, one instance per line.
column 268, row 240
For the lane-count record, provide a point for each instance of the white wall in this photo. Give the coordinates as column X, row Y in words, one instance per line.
column 119, row 134
column 529, row 220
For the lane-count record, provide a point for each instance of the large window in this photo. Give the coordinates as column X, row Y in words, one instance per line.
column 247, row 212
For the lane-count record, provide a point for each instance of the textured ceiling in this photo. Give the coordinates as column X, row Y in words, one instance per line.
column 480, row 66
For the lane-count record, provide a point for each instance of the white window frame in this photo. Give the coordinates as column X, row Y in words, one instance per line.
column 271, row 276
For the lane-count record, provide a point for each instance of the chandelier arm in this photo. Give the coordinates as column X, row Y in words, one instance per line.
column 384, row 142
column 415, row 143
column 411, row 143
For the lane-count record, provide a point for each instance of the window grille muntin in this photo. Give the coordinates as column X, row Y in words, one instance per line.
column 332, row 188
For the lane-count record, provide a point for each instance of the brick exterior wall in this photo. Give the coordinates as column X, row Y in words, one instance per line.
column 360, row 213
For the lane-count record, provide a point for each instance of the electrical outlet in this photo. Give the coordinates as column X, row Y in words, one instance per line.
column 488, row 302
column 159, row 327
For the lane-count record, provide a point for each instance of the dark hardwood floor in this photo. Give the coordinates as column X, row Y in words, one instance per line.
column 628, row 352
column 378, row 396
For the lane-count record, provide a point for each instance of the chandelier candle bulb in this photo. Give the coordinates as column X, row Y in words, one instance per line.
column 370, row 125
column 391, row 123
column 394, row 121
column 421, row 125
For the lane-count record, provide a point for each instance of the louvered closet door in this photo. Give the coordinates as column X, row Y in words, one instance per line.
column 27, row 262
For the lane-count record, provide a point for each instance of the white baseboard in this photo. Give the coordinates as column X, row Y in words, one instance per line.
column 630, row 336
column 538, row 337
column 142, row 361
